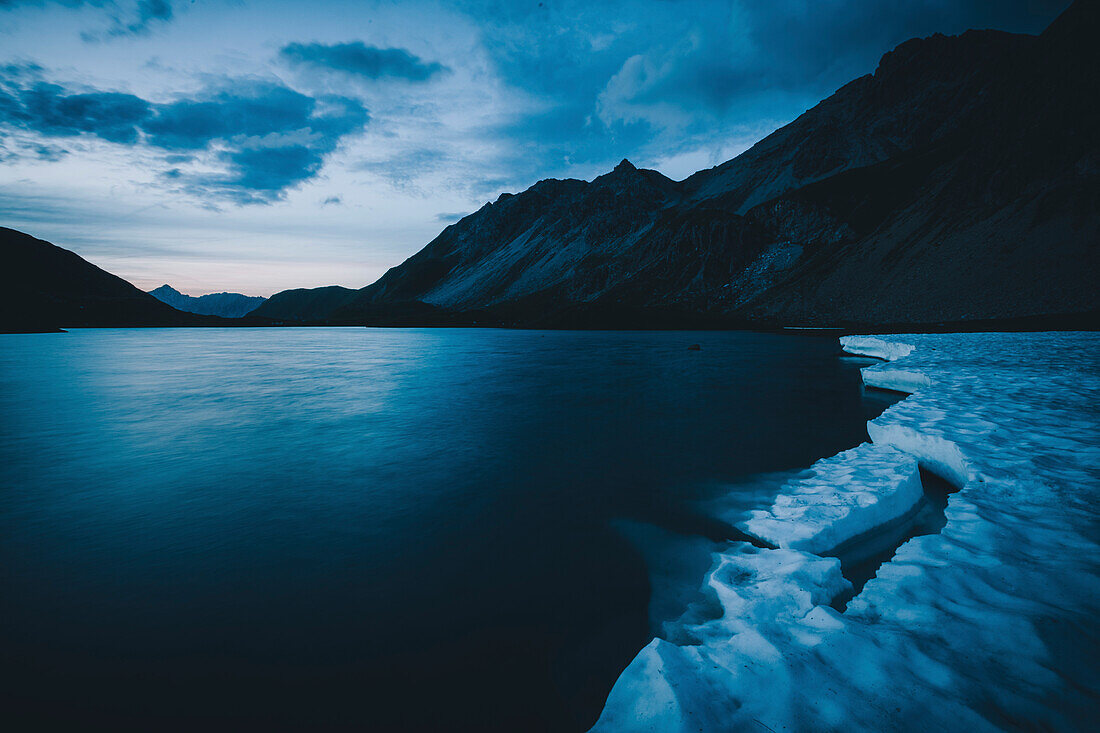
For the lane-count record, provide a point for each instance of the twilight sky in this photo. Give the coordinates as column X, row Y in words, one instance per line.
column 255, row 146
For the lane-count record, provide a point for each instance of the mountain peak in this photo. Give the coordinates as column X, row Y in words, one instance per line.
column 226, row 305
column 625, row 165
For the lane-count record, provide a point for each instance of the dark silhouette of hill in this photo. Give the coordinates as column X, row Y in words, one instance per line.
column 305, row 304
column 44, row 287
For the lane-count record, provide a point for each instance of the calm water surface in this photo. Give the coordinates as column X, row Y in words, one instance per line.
column 368, row 529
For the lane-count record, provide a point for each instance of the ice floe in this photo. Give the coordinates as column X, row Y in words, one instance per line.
column 877, row 348
column 989, row 624
column 896, row 380
column 849, row 494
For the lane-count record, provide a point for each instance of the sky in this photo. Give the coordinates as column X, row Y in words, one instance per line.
column 255, row 146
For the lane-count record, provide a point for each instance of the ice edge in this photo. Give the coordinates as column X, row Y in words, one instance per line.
column 789, row 587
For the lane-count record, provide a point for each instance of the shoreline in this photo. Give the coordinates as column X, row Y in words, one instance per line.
column 960, row 615
column 1083, row 321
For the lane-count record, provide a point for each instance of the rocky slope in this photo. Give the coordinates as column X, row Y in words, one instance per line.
column 996, row 216
column 226, row 305
column 44, row 287
column 959, row 182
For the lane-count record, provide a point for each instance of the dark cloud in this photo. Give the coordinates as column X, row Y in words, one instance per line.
column 357, row 59
column 649, row 78
column 786, row 46
column 264, row 171
column 50, row 110
column 271, row 137
column 250, row 108
column 267, row 137
column 333, row 201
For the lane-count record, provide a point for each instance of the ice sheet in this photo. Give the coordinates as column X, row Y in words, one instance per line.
column 988, row 625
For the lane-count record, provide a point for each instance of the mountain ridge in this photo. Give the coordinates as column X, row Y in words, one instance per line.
column 226, row 305
column 882, row 203
column 957, row 183
column 921, row 193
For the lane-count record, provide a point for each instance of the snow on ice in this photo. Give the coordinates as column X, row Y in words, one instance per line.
column 989, row 624
column 849, row 494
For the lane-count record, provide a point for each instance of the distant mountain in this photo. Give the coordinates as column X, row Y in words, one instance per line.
column 226, row 305
column 305, row 304
column 958, row 182
column 44, row 287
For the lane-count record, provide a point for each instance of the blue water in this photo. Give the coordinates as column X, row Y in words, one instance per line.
column 367, row 529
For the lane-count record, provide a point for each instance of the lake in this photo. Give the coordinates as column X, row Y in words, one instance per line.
column 351, row 528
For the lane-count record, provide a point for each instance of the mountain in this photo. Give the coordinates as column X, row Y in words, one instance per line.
column 226, row 305
column 959, row 182
column 44, row 287
column 921, row 91
column 996, row 215
column 305, row 304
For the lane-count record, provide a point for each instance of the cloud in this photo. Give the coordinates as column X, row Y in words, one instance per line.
column 256, row 175
column 11, row 4
column 403, row 169
column 333, row 201
column 235, row 108
column 565, row 88
column 126, row 18
column 51, row 110
column 52, row 153
column 22, row 150
column 137, row 22
column 359, row 60
column 648, row 79
column 263, row 137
